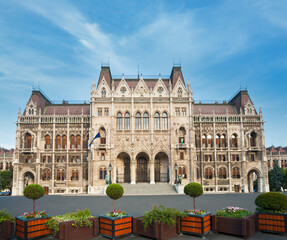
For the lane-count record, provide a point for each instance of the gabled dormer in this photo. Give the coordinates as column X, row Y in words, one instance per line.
column 31, row 108
column 123, row 89
column 249, row 108
column 141, row 89
column 103, row 89
column 160, row 89
column 179, row 90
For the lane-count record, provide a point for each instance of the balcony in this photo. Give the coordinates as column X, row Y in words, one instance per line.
column 181, row 145
column 101, row 146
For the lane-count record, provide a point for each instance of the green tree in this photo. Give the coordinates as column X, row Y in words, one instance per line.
column 284, row 182
column 6, row 179
column 275, row 177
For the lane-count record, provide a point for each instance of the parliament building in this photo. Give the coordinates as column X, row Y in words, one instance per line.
column 151, row 130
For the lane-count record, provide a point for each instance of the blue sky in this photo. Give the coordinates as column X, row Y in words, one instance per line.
column 221, row 45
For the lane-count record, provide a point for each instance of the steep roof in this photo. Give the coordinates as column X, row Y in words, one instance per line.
column 217, row 108
column 240, row 99
column 63, row 109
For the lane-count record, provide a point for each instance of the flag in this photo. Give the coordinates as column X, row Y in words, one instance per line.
column 97, row 136
column 182, row 140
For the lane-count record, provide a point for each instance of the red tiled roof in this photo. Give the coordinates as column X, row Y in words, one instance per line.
column 217, row 108
column 63, row 109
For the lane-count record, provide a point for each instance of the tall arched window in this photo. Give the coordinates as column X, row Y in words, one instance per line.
column 103, row 136
column 253, row 139
column 72, row 142
column 103, row 173
column 78, row 141
column 223, row 140
column 208, row 173
column 222, row 173
column 28, row 140
column 119, row 121
column 157, row 121
column 146, row 121
column 104, row 93
column 217, row 139
column 75, row 175
column 60, row 174
column 138, row 121
column 209, row 141
column 47, row 142
column 127, row 120
column 182, row 171
column 234, row 140
column 235, row 172
column 46, row 176
column 164, row 121
column 58, row 142
column 64, row 146
column 204, row 142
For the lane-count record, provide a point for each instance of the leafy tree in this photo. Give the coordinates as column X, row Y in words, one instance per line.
column 6, row 179
column 193, row 190
column 34, row 192
column 275, row 177
column 284, row 182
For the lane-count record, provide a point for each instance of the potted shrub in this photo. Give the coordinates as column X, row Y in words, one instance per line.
column 272, row 212
column 235, row 221
column 73, row 226
column 197, row 222
column 6, row 225
column 115, row 223
column 158, row 223
column 32, row 224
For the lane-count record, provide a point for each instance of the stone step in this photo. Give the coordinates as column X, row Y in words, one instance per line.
column 148, row 189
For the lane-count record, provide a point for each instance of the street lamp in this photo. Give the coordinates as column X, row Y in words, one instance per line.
column 175, row 168
column 110, row 171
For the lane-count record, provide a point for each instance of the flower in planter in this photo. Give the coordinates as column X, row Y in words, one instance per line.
column 195, row 211
column 233, row 212
column 116, row 213
column 36, row 214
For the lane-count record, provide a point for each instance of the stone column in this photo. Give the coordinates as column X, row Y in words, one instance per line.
column 133, row 172
column 152, row 171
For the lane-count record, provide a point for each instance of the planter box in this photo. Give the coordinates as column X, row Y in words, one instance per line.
column 157, row 231
column 244, row 227
column 272, row 222
column 31, row 228
column 196, row 224
column 69, row 232
column 114, row 227
column 6, row 230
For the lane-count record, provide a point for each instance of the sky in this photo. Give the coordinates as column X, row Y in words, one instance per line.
column 221, row 46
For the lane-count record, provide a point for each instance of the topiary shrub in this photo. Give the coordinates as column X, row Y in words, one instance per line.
column 271, row 202
column 115, row 191
column 193, row 190
column 34, row 191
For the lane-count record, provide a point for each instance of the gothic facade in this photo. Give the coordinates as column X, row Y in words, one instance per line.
column 149, row 127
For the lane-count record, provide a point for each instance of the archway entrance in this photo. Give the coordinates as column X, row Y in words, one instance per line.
column 123, row 168
column 28, row 179
column 142, row 168
column 161, row 169
column 254, row 183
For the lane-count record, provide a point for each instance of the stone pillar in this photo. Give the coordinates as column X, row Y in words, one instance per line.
column 133, row 172
column 152, row 172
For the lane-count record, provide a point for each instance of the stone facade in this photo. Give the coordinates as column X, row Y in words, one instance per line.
column 148, row 128
column 6, row 159
column 276, row 153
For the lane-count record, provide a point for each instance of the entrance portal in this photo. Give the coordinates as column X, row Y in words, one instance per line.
column 254, row 183
column 161, row 170
column 123, row 168
column 142, row 170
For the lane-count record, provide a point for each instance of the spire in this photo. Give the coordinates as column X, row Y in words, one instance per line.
column 19, row 113
column 260, row 111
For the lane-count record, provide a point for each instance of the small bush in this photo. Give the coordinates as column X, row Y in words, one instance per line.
column 34, row 191
column 115, row 191
column 193, row 190
column 271, row 202
column 5, row 215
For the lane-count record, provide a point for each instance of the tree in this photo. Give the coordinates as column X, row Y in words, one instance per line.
column 275, row 177
column 34, row 192
column 193, row 190
column 6, row 179
column 115, row 191
column 284, row 182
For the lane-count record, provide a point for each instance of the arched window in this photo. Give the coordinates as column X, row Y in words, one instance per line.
column 60, row 174
column 127, row 120
column 64, row 146
column 104, row 93
column 138, row 121
column 204, row 141
column 28, row 140
column 222, row 173
column 146, row 121
column 58, row 142
column 209, row 141
column 197, row 173
column 208, row 173
column 181, row 137
column 157, row 121
column 182, row 171
column 72, row 142
column 103, row 173
column 78, row 141
column 234, row 140
column 235, row 172
column 86, row 141
column 1, row 166
column 103, row 136
column 217, row 139
column 253, row 139
column 75, row 175
column 46, row 176
column 47, row 142
column 223, row 140
column 119, row 121
column 164, row 121
column 179, row 92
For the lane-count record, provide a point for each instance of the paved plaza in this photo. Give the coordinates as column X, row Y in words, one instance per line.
column 135, row 205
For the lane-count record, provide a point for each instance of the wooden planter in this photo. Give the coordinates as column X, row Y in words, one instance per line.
column 114, row 227
column 6, row 230
column 272, row 222
column 69, row 232
column 31, row 228
column 196, row 224
column 158, row 231
column 244, row 227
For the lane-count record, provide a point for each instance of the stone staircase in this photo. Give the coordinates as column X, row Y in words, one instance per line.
column 148, row 189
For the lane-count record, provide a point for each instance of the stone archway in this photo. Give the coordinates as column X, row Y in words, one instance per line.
column 254, row 181
column 161, row 168
column 123, row 168
column 28, row 179
column 142, row 172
